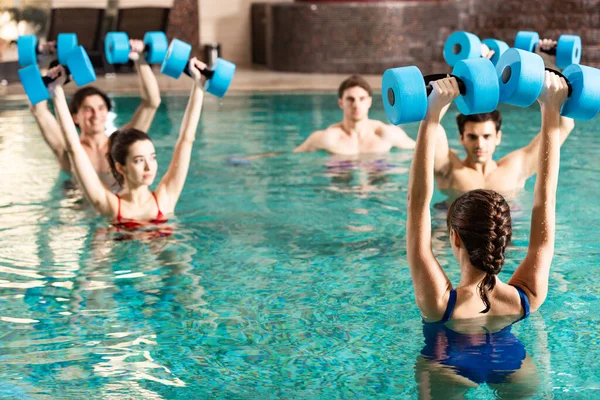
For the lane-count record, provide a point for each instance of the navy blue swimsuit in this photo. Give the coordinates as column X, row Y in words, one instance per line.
column 489, row 357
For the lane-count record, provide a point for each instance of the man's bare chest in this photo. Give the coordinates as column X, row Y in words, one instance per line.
column 462, row 180
column 368, row 144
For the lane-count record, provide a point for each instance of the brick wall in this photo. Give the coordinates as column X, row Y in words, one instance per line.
column 550, row 18
column 184, row 23
column 371, row 37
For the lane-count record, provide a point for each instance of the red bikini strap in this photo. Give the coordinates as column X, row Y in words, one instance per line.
column 160, row 214
column 119, row 209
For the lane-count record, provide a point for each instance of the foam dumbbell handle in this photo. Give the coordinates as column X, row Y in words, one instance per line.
column 47, row 80
column 79, row 67
column 436, row 77
column 219, row 77
column 34, row 84
column 566, row 80
column 208, row 73
column 551, row 51
column 147, row 48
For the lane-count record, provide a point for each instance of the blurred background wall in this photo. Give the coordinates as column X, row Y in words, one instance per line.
column 371, row 36
column 366, row 36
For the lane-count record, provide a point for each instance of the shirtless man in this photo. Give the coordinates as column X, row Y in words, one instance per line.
column 356, row 133
column 480, row 134
column 89, row 108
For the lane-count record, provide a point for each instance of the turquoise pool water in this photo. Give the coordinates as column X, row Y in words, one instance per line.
column 286, row 278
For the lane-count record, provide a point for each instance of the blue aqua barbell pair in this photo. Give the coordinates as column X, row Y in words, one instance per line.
column 517, row 79
column 77, row 64
column 174, row 59
column 70, row 54
column 28, row 50
column 464, row 45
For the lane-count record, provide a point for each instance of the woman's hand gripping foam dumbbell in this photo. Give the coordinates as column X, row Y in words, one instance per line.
column 218, row 76
column 544, row 50
column 137, row 49
column 443, row 92
column 77, row 64
column 195, row 68
column 56, row 76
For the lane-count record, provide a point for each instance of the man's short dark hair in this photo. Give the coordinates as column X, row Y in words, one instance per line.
column 353, row 81
column 84, row 93
column 494, row 116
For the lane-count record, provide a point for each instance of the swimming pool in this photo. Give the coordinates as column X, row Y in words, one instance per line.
column 286, row 278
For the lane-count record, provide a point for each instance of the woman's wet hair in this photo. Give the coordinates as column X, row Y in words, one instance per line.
column 481, row 218
column 118, row 148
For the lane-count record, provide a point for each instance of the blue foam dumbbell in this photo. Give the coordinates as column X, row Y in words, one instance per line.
column 27, row 48
column 405, row 90
column 117, row 49
column 567, row 50
column 521, row 79
column 78, row 65
column 464, row 45
column 583, row 102
column 218, row 76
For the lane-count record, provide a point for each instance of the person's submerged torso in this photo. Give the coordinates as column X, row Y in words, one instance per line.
column 481, row 357
column 482, row 350
column 141, row 229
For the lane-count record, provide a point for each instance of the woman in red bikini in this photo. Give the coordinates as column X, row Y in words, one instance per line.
column 132, row 159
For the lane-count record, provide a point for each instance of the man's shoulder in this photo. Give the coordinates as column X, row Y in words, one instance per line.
column 513, row 158
column 375, row 127
column 378, row 125
column 336, row 127
column 331, row 130
column 455, row 164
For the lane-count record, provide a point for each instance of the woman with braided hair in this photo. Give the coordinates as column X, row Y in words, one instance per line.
column 479, row 226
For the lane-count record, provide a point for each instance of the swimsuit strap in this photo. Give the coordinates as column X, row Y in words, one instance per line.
column 524, row 301
column 160, row 214
column 119, row 209
column 450, row 306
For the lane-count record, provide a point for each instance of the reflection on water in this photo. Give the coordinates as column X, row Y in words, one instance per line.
column 282, row 278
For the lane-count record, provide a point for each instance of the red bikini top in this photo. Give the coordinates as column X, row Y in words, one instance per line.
column 130, row 224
